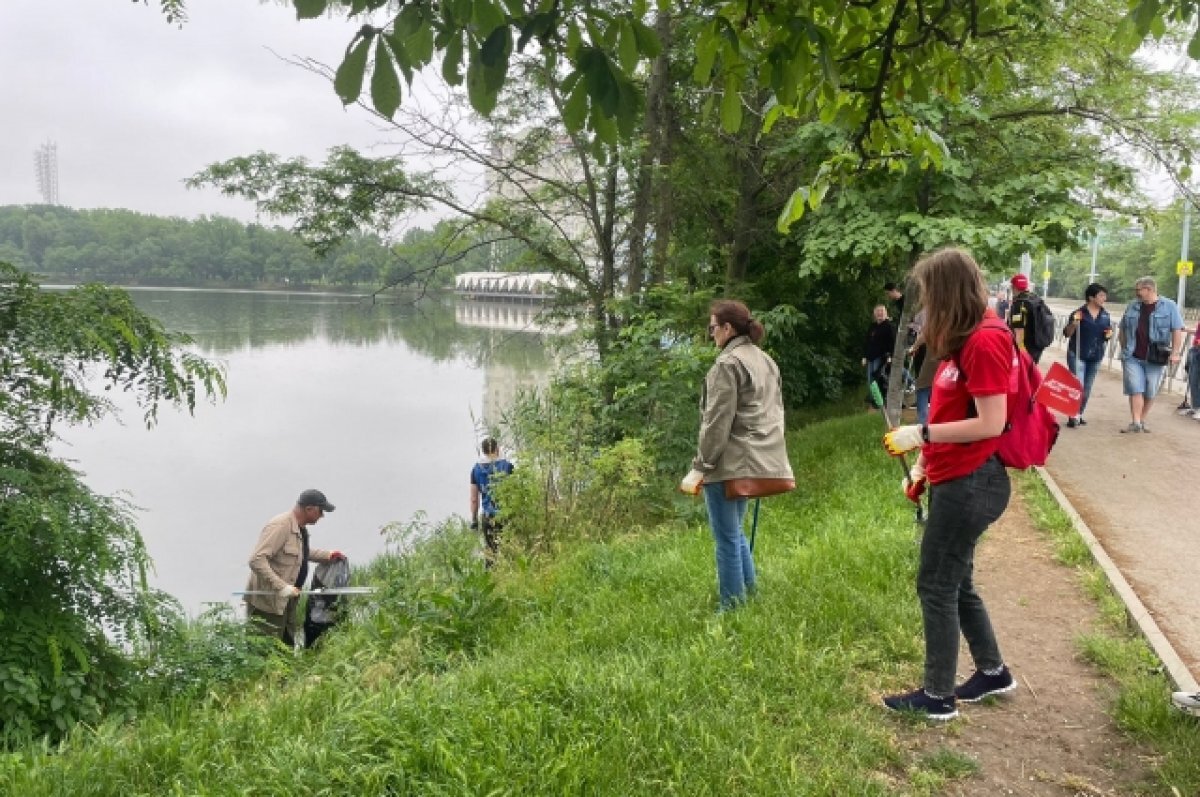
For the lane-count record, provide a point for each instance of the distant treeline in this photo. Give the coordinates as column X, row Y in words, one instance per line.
column 124, row 247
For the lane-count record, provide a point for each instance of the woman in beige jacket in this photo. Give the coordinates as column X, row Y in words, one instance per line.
column 741, row 437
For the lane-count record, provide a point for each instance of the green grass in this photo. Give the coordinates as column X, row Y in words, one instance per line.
column 604, row 672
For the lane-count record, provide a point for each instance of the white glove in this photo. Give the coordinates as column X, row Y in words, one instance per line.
column 691, row 483
column 289, row 592
column 903, row 439
column 917, row 472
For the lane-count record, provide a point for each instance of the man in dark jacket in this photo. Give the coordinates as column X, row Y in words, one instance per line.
column 879, row 343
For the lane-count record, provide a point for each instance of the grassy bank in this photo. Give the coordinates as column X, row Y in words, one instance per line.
column 604, row 672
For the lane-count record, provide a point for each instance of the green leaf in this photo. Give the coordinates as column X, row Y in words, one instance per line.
column 348, row 80
column 575, row 109
column 793, row 211
column 419, row 47
column 574, row 41
column 452, row 60
column 627, row 49
column 731, row 105
column 497, row 48
column 385, row 86
column 1193, row 48
column 606, row 129
column 410, row 20
column 487, row 17
column 629, row 101
column 309, row 9
column 487, row 70
column 647, row 40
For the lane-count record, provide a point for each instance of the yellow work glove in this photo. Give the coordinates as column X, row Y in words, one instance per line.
column 903, row 439
column 691, row 483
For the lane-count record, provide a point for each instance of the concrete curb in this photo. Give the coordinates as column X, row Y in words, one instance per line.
column 1174, row 665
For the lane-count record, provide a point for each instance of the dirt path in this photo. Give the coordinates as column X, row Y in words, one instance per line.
column 1053, row 736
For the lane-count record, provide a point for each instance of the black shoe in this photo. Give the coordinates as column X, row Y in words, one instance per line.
column 921, row 703
column 980, row 685
column 1071, row 422
column 1082, row 422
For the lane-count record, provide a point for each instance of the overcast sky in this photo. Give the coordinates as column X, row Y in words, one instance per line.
column 136, row 105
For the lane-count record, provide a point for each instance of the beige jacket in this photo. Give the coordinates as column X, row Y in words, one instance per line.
column 741, row 417
column 275, row 562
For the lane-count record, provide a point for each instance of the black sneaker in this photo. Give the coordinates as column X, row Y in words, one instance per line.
column 920, row 702
column 1071, row 422
column 980, row 685
column 1082, row 422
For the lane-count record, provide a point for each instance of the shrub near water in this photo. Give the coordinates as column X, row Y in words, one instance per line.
column 603, row 671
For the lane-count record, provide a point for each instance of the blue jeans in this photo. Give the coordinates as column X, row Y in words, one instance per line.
column 1085, row 372
column 735, row 565
column 1193, row 372
column 959, row 512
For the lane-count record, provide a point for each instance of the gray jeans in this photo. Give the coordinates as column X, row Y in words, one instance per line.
column 959, row 512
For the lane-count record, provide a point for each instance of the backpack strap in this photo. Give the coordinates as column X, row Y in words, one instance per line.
column 972, row 412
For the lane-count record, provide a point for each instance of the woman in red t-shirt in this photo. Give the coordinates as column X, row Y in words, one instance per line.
column 968, row 486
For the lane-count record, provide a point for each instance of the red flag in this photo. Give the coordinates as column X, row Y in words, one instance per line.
column 1060, row 391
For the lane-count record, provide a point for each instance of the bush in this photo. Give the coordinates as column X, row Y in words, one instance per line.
column 218, row 651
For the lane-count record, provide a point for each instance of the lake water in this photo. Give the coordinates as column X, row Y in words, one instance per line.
column 376, row 405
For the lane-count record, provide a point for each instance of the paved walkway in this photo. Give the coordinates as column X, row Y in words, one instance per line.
column 1134, row 493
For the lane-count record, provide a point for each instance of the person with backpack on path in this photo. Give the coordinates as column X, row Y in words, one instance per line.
column 1087, row 334
column 1030, row 318
column 483, row 474
column 1151, row 337
column 968, row 485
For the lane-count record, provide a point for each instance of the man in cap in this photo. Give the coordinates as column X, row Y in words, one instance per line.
column 279, row 566
column 1022, row 315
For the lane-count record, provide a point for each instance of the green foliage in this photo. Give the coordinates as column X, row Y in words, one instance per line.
column 443, row 593
column 53, row 343
column 193, row 659
column 345, row 195
column 568, row 487
column 74, row 567
column 74, row 602
column 123, row 247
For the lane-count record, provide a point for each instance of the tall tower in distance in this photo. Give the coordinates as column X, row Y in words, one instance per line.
column 45, row 164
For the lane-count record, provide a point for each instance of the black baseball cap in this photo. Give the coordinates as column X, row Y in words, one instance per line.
column 315, row 498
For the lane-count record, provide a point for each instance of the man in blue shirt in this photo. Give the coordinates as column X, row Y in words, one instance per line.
column 482, row 475
column 1151, row 337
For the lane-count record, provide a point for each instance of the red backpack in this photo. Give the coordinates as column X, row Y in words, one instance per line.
column 1031, row 430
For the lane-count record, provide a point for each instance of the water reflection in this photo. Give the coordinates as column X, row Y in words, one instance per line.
column 374, row 404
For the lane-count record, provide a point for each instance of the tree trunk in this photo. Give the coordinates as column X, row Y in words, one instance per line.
column 749, row 155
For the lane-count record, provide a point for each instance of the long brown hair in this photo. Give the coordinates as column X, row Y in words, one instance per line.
column 737, row 315
column 954, row 295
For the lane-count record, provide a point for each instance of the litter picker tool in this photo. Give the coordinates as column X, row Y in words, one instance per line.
column 318, row 591
column 754, row 524
column 877, row 397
